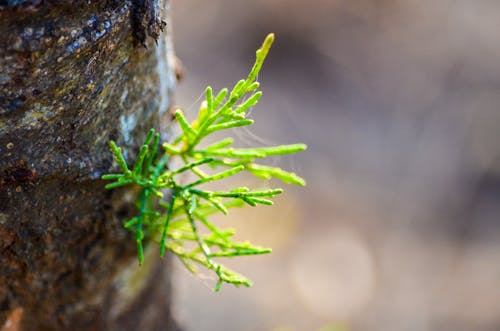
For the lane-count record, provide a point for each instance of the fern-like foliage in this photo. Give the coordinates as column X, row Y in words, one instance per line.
column 171, row 212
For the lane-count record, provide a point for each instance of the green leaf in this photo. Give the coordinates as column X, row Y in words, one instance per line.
column 261, row 55
column 281, row 150
column 266, row 172
column 229, row 125
column 140, row 159
column 242, row 252
column 219, row 205
column 112, row 176
column 245, row 153
column 250, row 102
column 259, row 200
column 119, row 183
column 131, row 223
column 173, row 223
column 246, row 193
column 218, row 176
column 165, row 225
column 184, row 124
column 151, row 157
column 190, row 166
column 118, row 156
column 220, row 97
column 237, row 89
column 171, row 149
column 221, row 144
column 253, row 86
column 210, row 101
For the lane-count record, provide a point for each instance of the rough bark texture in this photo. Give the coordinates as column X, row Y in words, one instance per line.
column 74, row 75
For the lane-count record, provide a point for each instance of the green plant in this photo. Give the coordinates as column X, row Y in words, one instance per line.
column 172, row 220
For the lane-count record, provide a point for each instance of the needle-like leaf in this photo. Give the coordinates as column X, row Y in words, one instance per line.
column 173, row 222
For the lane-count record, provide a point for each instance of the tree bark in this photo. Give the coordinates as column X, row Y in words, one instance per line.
column 75, row 74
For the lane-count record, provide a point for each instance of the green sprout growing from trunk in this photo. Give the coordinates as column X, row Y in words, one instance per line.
column 170, row 212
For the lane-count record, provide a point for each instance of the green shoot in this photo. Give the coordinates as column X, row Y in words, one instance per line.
column 171, row 212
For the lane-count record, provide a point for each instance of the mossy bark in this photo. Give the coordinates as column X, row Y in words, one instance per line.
column 74, row 75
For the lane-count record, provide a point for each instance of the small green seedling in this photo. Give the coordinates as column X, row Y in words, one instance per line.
column 170, row 212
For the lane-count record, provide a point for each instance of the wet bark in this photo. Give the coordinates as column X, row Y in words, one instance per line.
column 75, row 74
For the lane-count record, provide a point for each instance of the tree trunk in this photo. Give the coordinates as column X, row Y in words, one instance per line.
column 75, row 74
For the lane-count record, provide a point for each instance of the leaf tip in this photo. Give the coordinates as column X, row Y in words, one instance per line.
column 269, row 39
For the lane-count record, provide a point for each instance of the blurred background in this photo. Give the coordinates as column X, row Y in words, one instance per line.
column 399, row 103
